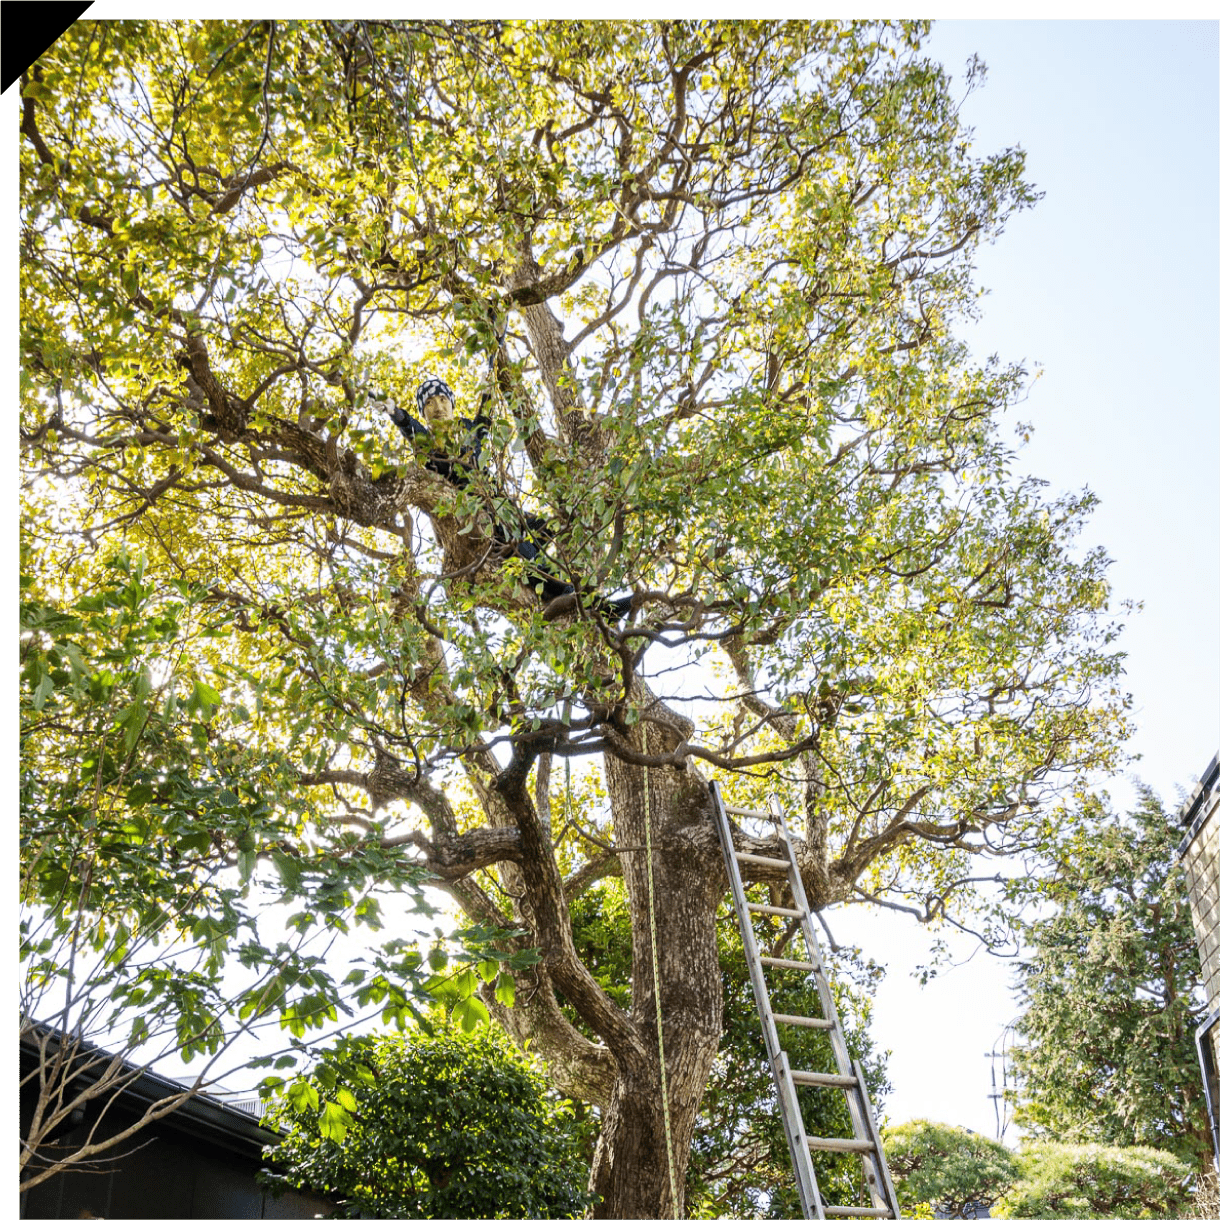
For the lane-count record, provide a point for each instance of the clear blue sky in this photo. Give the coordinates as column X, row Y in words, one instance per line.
column 1110, row 285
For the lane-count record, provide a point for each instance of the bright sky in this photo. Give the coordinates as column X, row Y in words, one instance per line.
column 1110, row 284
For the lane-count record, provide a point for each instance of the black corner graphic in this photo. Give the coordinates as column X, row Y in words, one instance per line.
column 27, row 29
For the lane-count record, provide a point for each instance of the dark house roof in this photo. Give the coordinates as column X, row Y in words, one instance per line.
column 200, row 1160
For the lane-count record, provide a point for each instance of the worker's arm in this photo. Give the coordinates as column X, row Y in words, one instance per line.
column 476, row 434
column 455, row 471
column 407, row 424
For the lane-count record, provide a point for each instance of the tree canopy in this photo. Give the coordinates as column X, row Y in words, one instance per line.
column 949, row 1171
column 1085, row 1180
column 714, row 269
column 155, row 846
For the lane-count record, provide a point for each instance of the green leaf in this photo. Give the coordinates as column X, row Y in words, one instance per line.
column 506, row 989
column 303, row 1096
column 203, row 697
column 134, row 721
column 333, row 1122
column 471, row 1012
column 42, row 692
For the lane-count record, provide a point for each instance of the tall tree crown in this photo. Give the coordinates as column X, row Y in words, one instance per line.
column 702, row 279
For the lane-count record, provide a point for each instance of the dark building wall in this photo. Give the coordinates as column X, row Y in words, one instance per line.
column 200, row 1161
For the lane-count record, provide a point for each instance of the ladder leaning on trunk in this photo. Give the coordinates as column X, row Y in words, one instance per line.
column 850, row 1077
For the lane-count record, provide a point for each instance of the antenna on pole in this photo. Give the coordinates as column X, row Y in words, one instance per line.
column 999, row 1091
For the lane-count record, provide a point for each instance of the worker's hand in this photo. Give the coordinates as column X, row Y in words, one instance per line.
column 388, row 408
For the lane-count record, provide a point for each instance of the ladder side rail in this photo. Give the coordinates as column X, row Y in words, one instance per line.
column 798, row 1144
column 749, row 943
column 790, row 1110
column 859, row 1106
column 813, row 948
column 885, row 1196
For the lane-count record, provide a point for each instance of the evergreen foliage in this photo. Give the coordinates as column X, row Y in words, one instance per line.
column 1113, row 992
column 1082, row 1181
column 439, row 1123
column 957, row 1172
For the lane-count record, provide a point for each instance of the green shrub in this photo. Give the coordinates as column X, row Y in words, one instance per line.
column 1089, row 1180
column 956, row 1171
column 440, row 1124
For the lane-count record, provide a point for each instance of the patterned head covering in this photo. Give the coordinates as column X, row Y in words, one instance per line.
column 430, row 389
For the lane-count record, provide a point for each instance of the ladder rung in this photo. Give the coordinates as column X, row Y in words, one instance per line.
column 785, row 1018
column 736, row 811
column 824, row 1080
column 857, row 1211
column 818, row 1143
column 764, row 908
column 789, row 963
column 771, row 861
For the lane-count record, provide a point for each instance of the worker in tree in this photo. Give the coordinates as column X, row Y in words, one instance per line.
column 435, row 402
column 457, row 446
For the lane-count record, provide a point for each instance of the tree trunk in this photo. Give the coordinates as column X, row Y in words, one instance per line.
column 631, row 1167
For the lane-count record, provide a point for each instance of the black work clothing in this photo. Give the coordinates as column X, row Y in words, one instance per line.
column 457, row 468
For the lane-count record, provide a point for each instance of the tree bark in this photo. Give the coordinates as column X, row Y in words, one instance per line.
column 631, row 1166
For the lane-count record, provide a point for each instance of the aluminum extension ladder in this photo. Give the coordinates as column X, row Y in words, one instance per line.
column 850, row 1077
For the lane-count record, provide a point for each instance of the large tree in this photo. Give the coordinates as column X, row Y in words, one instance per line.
column 715, row 269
